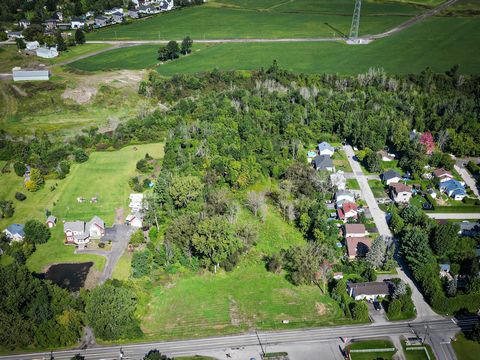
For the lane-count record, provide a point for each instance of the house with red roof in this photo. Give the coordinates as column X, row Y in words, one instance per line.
column 349, row 210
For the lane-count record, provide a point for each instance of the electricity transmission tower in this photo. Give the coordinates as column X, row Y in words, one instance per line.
column 355, row 20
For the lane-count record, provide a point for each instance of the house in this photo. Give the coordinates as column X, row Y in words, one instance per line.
column 442, row 175
column 400, row 193
column 47, row 53
column 133, row 14
column 454, row 189
column 32, row 45
column 77, row 23
column 445, row 271
column 51, row 24
column 134, row 220
column 63, row 26
column 166, row 5
column 113, row 11
column 338, row 181
column 432, row 193
column 20, row 74
column 323, row 162
column 24, row 23
column 136, row 202
column 14, row 35
column 311, row 155
column 391, row 176
column 117, row 17
column 354, row 230
column 349, row 210
column 358, row 246
column 386, row 156
column 15, row 232
column 324, row 148
column 342, row 196
column 101, row 21
column 51, row 221
column 369, row 290
column 469, row 228
column 80, row 232
column 147, row 10
column 59, row 15
column 89, row 14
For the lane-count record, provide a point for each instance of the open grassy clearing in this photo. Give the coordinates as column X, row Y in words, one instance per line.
column 271, row 19
column 70, row 102
column 378, row 188
column 248, row 297
column 419, row 354
column 11, row 57
column 437, row 43
column 104, row 175
column 465, row 349
column 374, row 345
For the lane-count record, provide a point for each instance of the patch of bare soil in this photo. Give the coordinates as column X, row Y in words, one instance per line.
column 320, row 308
column 119, row 216
column 87, row 85
column 19, row 91
column 92, row 279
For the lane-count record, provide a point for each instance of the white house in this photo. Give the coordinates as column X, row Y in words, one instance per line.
column 30, row 75
column 32, row 45
column 80, row 232
column 77, row 23
column 134, row 220
column 113, row 11
column 338, row 180
column 15, row 232
column 342, row 196
column 368, row 290
column 386, row 156
column 324, row 148
column 136, row 202
column 400, row 193
column 391, row 176
column 166, row 5
column 47, row 53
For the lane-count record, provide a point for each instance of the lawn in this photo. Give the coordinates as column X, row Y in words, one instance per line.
column 352, row 184
column 341, row 162
column 419, row 352
column 122, row 269
column 104, row 175
column 249, row 19
column 377, row 188
column 465, row 349
column 374, row 345
column 193, row 305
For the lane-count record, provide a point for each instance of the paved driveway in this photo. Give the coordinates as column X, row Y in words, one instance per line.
column 469, row 180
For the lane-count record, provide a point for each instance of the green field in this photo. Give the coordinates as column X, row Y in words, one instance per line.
column 438, row 43
column 374, row 345
column 271, row 19
column 104, row 175
column 465, row 349
column 245, row 298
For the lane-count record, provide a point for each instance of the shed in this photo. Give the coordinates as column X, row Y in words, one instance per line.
column 30, row 74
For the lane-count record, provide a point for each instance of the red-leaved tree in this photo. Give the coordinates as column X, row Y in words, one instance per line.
column 427, row 139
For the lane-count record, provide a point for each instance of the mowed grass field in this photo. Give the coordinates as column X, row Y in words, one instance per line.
column 438, row 43
column 247, row 297
column 104, row 175
column 261, row 19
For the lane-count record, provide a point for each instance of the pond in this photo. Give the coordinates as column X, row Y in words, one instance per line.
column 68, row 276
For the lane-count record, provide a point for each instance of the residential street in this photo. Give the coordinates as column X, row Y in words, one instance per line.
column 469, row 180
column 454, row 216
column 300, row 344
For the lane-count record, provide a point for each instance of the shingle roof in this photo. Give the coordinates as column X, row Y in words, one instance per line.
column 51, row 218
column 400, row 187
column 354, row 229
column 390, row 174
column 325, row 146
column 441, row 173
column 74, row 226
column 16, row 229
column 97, row 221
column 358, row 246
column 323, row 162
column 370, row 288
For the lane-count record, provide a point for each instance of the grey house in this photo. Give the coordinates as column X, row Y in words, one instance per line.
column 391, row 176
column 133, row 14
column 117, row 17
column 323, row 162
column 101, row 21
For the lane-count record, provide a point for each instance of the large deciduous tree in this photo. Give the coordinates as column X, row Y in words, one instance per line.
column 36, row 232
column 184, row 189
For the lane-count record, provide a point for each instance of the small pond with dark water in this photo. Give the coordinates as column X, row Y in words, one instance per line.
column 68, row 276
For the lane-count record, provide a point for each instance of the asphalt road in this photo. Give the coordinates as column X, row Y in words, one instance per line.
column 454, row 216
column 440, row 330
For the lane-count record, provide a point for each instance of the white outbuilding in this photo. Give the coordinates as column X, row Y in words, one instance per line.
column 20, row 74
column 47, row 53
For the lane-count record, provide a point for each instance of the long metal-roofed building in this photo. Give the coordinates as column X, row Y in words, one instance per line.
column 20, row 74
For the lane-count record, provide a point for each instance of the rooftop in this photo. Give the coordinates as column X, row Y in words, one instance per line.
column 358, row 246
column 370, row 288
column 354, row 229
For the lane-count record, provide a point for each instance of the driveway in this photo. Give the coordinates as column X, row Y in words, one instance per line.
column 469, row 180
column 424, row 311
column 120, row 236
column 376, row 316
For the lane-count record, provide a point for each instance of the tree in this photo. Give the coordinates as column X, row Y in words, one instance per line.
column 445, row 238
column 80, row 155
column 20, row 43
column 36, row 232
column 360, row 311
column 79, row 36
column 61, row 45
column 394, row 308
column 215, row 240
column 77, row 357
column 6, row 209
column 376, row 254
column 256, row 203
column 186, row 45
column 274, row 263
column 452, row 287
column 140, row 263
column 396, row 222
column 36, row 180
column 426, row 139
column 400, row 289
column 155, row 355
column 19, row 168
column 137, row 238
column 372, row 161
column 169, row 52
column 142, row 165
column 184, row 189
column 474, row 334
column 110, row 311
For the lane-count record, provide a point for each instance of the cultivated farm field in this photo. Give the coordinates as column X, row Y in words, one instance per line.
column 265, row 19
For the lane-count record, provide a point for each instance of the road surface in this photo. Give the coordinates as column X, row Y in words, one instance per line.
column 454, row 216
column 467, row 178
column 440, row 331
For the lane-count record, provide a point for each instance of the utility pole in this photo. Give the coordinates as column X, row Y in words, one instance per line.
column 355, row 20
column 260, row 342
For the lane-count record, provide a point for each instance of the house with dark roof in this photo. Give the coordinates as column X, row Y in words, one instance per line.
column 369, row 290
column 117, row 17
column 442, row 175
column 358, row 246
column 15, row 232
column 323, row 162
column 400, row 193
column 391, row 176
column 354, row 230
column 101, row 21
column 51, row 24
column 469, row 228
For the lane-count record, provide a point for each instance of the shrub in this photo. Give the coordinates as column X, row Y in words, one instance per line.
column 360, row 311
column 394, row 308
column 19, row 196
column 101, row 245
column 80, row 155
column 19, row 168
column 6, row 209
